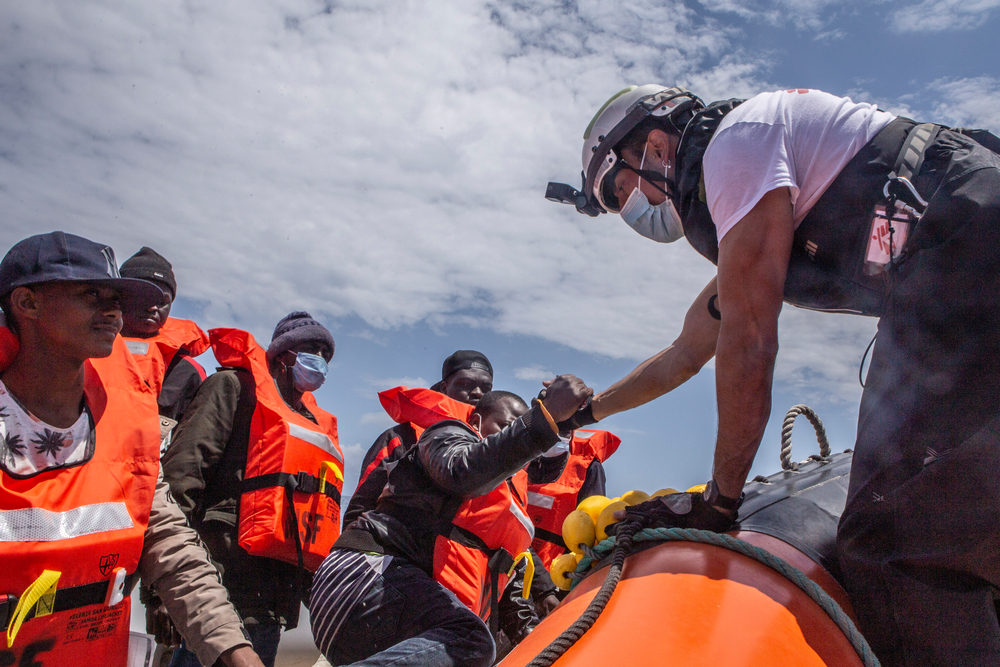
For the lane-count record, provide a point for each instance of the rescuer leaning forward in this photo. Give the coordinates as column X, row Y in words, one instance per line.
column 804, row 197
column 81, row 510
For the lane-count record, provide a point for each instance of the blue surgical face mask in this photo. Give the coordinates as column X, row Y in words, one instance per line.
column 661, row 223
column 309, row 371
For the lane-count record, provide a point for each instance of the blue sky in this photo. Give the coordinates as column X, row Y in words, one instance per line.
column 382, row 165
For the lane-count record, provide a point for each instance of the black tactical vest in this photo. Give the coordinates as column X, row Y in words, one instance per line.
column 826, row 268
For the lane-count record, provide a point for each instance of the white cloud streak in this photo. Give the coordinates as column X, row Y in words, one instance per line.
column 356, row 158
column 973, row 102
column 942, row 15
column 533, row 373
column 803, row 14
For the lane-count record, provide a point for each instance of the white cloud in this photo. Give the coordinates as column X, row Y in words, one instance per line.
column 820, row 354
column 386, row 162
column 941, row 15
column 973, row 102
column 377, row 418
column 803, row 14
column 533, row 373
column 967, row 102
column 379, row 161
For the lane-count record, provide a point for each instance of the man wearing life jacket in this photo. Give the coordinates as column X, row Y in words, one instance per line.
column 257, row 467
column 416, row 580
column 81, row 510
column 465, row 376
column 578, row 463
column 828, row 204
column 164, row 347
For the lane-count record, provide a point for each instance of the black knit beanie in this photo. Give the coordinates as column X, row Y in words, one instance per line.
column 295, row 328
column 149, row 265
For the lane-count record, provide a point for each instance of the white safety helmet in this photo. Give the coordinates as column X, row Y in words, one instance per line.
column 615, row 119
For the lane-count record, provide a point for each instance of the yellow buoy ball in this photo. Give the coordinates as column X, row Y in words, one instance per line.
column 559, row 567
column 577, row 529
column 635, row 497
column 665, row 492
column 593, row 505
column 607, row 518
column 697, row 488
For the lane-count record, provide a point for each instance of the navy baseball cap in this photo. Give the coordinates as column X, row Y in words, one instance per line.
column 59, row 257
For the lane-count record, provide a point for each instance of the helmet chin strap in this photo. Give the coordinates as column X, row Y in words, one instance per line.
column 652, row 176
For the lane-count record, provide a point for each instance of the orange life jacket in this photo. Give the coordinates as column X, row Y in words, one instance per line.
column 549, row 504
column 491, row 526
column 291, row 463
column 85, row 522
column 418, row 407
column 486, row 534
column 154, row 354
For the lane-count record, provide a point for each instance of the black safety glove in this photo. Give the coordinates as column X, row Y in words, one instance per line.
column 679, row 510
column 582, row 417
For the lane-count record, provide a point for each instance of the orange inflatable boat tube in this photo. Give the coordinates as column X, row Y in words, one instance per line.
column 692, row 604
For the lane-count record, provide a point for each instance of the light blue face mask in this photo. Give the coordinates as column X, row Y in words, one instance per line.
column 309, row 371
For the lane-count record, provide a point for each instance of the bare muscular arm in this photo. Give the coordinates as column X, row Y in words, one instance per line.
column 753, row 260
column 670, row 368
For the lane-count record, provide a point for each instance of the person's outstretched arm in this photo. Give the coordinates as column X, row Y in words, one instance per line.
column 673, row 366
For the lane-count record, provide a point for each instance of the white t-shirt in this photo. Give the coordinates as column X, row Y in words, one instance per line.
column 799, row 139
column 28, row 445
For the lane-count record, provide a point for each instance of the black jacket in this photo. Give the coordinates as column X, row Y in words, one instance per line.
column 426, row 487
column 203, row 466
column 395, row 442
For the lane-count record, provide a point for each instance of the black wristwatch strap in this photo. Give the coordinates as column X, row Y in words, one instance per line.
column 713, row 497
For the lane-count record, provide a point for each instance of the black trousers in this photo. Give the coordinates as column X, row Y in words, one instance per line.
column 919, row 540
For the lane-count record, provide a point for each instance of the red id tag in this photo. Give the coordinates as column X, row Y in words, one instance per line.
column 879, row 252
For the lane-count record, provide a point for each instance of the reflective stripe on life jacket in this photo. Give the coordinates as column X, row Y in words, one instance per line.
column 487, row 532
column 549, row 504
column 290, row 460
column 154, row 354
column 85, row 522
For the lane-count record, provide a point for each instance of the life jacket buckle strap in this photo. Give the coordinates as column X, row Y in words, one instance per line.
column 8, row 602
column 116, row 587
column 500, row 561
column 305, row 483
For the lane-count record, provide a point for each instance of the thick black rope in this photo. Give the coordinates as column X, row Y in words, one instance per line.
column 572, row 634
